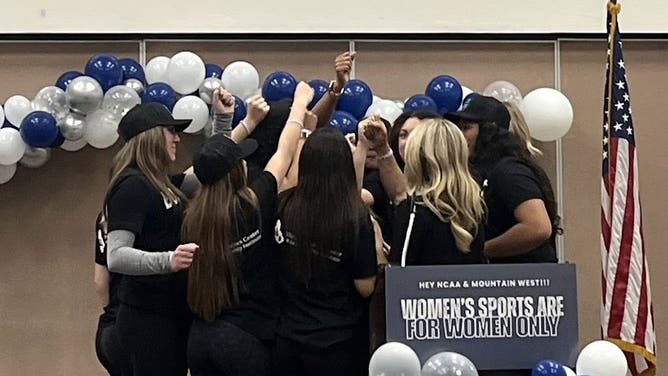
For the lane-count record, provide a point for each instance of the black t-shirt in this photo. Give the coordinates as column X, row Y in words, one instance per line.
column 381, row 202
column 329, row 310
column 432, row 241
column 109, row 315
column 510, row 183
column 257, row 309
column 135, row 205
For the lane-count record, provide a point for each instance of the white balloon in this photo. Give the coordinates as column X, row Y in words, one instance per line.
column 7, row 172
column 241, row 79
column 156, row 69
column 12, row 146
column 386, row 109
column 400, row 104
column 548, row 114
column 2, row 116
column 569, row 372
column 101, row 129
column 35, row 157
column 16, row 108
column 394, row 359
column 120, row 99
column 192, row 107
column 74, row 145
column 376, row 99
column 185, row 72
column 602, row 358
column 465, row 92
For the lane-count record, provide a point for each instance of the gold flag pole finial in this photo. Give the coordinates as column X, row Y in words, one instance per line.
column 613, row 7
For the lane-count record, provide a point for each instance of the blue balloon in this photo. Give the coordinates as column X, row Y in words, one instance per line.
column 131, row 69
column 344, row 122
column 320, row 87
column 240, row 111
column 420, row 102
column 446, row 92
column 105, row 69
column 548, row 368
column 213, row 70
column 59, row 141
column 278, row 85
column 66, row 78
column 39, row 129
column 355, row 99
column 159, row 92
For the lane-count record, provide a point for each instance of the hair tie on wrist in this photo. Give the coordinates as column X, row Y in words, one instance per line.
column 245, row 125
column 386, row 155
column 296, row 121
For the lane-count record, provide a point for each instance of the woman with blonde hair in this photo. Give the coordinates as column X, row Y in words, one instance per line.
column 439, row 208
column 519, row 127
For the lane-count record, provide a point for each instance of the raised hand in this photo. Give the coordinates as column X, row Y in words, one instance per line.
column 343, row 64
column 373, row 133
column 303, row 94
column 258, row 109
column 222, row 101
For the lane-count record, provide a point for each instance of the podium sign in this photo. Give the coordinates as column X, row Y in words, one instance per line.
column 503, row 316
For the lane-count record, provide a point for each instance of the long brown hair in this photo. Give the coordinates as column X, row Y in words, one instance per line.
column 211, row 215
column 324, row 212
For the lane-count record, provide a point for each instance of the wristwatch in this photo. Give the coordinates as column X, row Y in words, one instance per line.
column 334, row 92
column 305, row 133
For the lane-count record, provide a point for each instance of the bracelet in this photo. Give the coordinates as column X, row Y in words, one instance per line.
column 296, row 121
column 386, row 155
column 245, row 125
column 331, row 89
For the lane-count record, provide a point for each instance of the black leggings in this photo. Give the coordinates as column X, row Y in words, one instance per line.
column 291, row 358
column 223, row 349
column 110, row 353
column 156, row 342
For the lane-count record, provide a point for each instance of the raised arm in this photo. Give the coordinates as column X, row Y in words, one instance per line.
column 374, row 134
column 287, row 143
column 343, row 64
column 223, row 113
column 310, row 123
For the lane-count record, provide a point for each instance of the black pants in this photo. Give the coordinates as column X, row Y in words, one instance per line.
column 223, row 349
column 291, row 358
column 111, row 354
column 156, row 342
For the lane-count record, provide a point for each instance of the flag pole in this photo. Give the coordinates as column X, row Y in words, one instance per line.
column 614, row 9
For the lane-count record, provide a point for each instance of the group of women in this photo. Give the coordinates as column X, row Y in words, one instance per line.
column 240, row 267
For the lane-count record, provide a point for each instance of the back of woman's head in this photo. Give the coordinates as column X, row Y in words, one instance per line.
column 324, row 211
column 437, row 170
column 519, row 127
column 212, row 214
column 146, row 152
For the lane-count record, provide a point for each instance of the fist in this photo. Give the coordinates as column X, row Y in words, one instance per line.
column 303, row 93
column 182, row 257
column 258, row 109
column 223, row 101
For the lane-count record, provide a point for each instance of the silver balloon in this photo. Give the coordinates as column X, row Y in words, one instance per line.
column 504, row 91
column 72, row 126
column 84, row 95
column 135, row 85
column 208, row 86
column 449, row 364
column 51, row 99
column 120, row 99
column 35, row 157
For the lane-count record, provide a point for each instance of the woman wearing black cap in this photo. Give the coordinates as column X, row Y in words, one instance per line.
column 231, row 285
column 143, row 212
column 522, row 213
column 328, row 263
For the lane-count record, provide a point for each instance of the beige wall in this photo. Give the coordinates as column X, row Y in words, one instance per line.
column 48, row 309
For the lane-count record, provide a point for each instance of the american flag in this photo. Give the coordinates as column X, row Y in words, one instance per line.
column 627, row 316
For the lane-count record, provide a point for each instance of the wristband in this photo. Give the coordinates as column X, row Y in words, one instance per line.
column 305, row 133
column 245, row 125
column 296, row 121
column 386, row 155
column 331, row 89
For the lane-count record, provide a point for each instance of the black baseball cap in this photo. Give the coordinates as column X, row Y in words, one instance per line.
column 146, row 116
column 218, row 155
column 482, row 109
